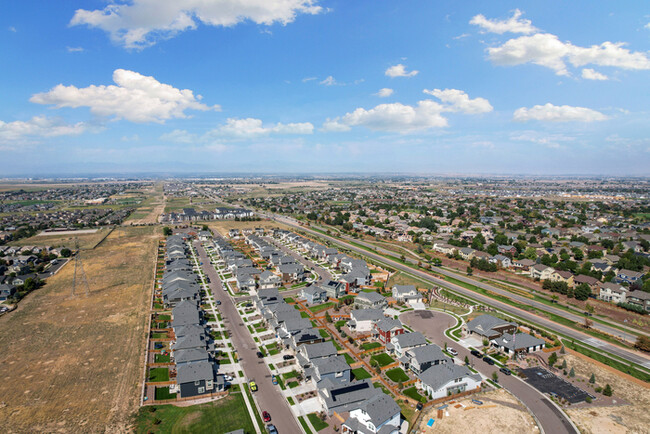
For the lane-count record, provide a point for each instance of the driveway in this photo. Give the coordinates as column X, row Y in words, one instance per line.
column 268, row 397
column 433, row 324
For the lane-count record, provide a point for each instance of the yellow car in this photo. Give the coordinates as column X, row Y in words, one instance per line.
column 253, row 386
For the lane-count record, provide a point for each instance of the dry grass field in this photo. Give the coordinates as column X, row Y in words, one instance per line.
column 149, row 211
column 86, row 241
column 594, row 419
column 75, row 364
column 500, row 413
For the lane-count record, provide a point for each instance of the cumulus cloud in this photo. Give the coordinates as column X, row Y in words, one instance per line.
column 547, row 50
column 552, row 113
column 135, row 97
column 141, row 23
column 394, row 117
column 38, row 127
column 399, row 70
column 590, row 74
column 384, row 92
column 402, row 118
column 458, row 101
column 511, row 25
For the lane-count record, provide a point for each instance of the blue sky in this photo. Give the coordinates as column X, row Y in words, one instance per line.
column 324, row 87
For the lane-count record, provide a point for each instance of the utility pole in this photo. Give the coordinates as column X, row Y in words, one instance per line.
column 79, row 267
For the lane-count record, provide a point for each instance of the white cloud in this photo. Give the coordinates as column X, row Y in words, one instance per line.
column 38, row 127
column 384, row 92
column 12, row 29
column 141, row 23
column 547, row 50
column 552, row 113
column 136, row 98
column 399, row 70
column 553, row 141
column 75, row 49
column 251, row 127
column 459, row 101
column 179, row 136
column 394, row 117
column 590, row 74
column 306, row 79
column 329, row 81
column 512, row 24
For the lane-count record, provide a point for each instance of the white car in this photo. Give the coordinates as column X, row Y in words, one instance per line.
column 452, row 351
column 227, row 377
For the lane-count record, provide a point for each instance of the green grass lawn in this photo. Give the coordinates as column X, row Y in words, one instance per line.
column 412, row 392
column 370, row 346
column 290, row 399
column 378, row 385
column 304, row 424
column 158, row 335
column 163, row 393
column 397, row 375
column 321, row 307
column 382, row 359
column 340, row 323
column 158, row 374
column 316, row 422
column 289, row 299
column 361, row 374
column 303, row 314
column 164, row 317
column 161, row 358
column 227, row 414
column 348, row 358
column 324, row 334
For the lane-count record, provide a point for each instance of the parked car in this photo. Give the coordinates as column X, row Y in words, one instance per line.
column 218, row 302
column 419, row 406
column 271, row 429
column 488, row 360
column 506, row 371
column 274, row 379
column 266, row 416
column 452, row 351
column 253, row 386
column 287, row 357
column 476, row 353
column 260, row 355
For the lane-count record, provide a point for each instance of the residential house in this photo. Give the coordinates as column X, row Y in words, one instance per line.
column 501, row 260
column 541, row 272
column 379, row 414
column 422, row 358
column 401, row 343
column 628, row 276
column 363, row 320
column 6, row 291
column 334, row 289
column 639, row 298
column 489, row 327
column 612, row 292
column 333, row 368
column 306, row 354
column 194, row 379
column 447, row 379
column 562, row 276
column 405, row 292
column 387, row 328
column 518, row 343
column 269, row 280
column 344, row 397
column 467, row 253
column 523, row 264
column 370, row 300
column 314, row 294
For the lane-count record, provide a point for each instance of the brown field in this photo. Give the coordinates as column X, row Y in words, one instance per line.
column 594, row 419
column 75, row 364
column 500, row 413
column 86, row 241
column 149, row 210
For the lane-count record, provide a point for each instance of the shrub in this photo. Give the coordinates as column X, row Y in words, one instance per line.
column 588, row 400
column 598, row 389
column 607, row 391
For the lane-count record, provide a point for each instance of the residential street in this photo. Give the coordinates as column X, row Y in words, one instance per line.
column 433, row 324
column 268, row 396
column 324, row 275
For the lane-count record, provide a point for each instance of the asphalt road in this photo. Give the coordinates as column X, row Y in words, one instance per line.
column 269, row 397
column 432, row 325
column 628, row 355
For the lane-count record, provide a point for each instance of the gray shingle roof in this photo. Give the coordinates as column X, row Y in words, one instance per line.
column 519, row 341
column 407, row 340
column 191, row 372
column 439, row 375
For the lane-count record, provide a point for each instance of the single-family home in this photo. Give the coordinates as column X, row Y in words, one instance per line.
column 363, row 320
column 612, row 292
column 387, row 328
column 370, row 300
column 344, row 396
column 195, row 379
column 541, row 272
column 628, row 276
column 333, row 368
column 490, row 327
column 402, row 292
column 269, row 280
column 422, row 358
column 447, row 379
column 639, row 298
column 378, row 414
column 314, row 294
column 403, row 342
column 513, row 344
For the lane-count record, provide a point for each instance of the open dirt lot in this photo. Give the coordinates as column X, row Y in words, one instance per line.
column 149, row 211
column 594, row 419
column 86, row 240
column 75, row 364
column 500, row 413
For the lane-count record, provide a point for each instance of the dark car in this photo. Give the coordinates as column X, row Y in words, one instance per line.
column 419, row 406
column 287, row 357
column 218, row 302
column 260, row 355
column 271, row 429
column 266, row 416
column 476, row 353
column 488, row 360
column 506, row 371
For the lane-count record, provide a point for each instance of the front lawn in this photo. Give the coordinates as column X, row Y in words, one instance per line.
column 360, row 374
column 316, row 422
column 382, row 359
column 158, row 374
column 397, row 375
column 321, row 307
column 349, row 359
column 228, row 414
column 370, row 346
column 339, row 324
column 324, row 334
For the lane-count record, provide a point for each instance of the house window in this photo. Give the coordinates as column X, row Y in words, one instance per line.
column 338, row 374
column 201, row 390
column 196, row 383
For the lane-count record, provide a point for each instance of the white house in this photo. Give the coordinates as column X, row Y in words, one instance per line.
column 447, row 379
column 363, row 320
column 379, row 414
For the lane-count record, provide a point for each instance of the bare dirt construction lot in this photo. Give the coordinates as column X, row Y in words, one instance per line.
column 74, row 364
column 86, row 240
column 595, row 419
column 500, row 413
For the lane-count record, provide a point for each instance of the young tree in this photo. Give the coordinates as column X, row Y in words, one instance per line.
column 328, row 317
column 466, row 360
column 572, row 373
column 563, row 364
column 592, row 379
column 607, row 391
column 469, row 271
column 495, row 377
column 552, row 359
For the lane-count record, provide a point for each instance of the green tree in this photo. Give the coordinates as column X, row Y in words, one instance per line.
column 552, row 359
column 469, row 271
column 563, row 364
column 572, row 373
column 530, row 253
column 607, row 391
column 592, row 379
column 167, row 231
column 466, row 360
column 65, row 252
column 582, row 292
column 495, row 376
column 328, row 317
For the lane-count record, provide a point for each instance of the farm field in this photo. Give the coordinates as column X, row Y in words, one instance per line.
column 149, row 210
column 86, row 241
column 74, row 364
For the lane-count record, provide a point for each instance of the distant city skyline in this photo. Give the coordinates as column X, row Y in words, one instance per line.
column 307, row 86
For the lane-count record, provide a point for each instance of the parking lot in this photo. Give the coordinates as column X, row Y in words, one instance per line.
column 547, row 382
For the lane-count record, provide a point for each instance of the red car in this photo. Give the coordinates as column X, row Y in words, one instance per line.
column 266, row 416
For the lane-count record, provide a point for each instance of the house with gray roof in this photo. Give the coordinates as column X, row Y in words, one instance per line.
column 518, row 343
column 386, row 328
column 344, row 397
column 489, row 326
column 194, row 379
column 401, row 343
column 447, row 379
column 370, row 300
column 314, row 294
column 192, row 355
column 333, row 368
column 306, row 354
column 402, row 292
column 334, row 289
column 269, row 280
column 363, row 320
column 420, row 359
column 379, row 414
